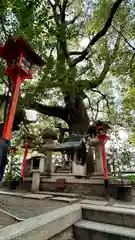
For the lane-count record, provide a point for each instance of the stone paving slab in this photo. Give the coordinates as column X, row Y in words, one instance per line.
column 130, row 206
column 16, row 194
column 65, row 199
column 59, row 194
column 36, row 196
column 94, row 202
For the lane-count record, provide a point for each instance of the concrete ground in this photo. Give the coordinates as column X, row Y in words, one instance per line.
column 25, row 208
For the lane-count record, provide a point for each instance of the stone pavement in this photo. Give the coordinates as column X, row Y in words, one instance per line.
column 36, row 196
column 94, row 202
column 20, row 204
column 65, row 199
column 24, row 208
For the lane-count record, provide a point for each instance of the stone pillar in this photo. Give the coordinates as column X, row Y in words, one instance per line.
column 98, row 158
column 48, row 162
column 75, row 157
column 35, row 180
column 42, row 164
column 74, row 163
column 48, row 169
column 89, row 159
column 70, row 163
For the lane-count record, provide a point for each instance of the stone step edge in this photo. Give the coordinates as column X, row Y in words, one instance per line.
column 106, row 228
column 110, row 209
column 12, row 216
column 44, row 226
column 59, row 194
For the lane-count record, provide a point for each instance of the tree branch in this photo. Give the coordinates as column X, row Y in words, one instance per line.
column 64, row 5
column 125, row 39
column 97, row 91
column 2, row 99
column 73, row 20
column 109, row 61
column 97, row 108
column 131, row 63
column 100, row 34
column 91, row 108
column 70, row 3
column 56, row 17
column 54, row 111
column 3, row 28
column 51, row 3
column 104, row 97
column 74, row 53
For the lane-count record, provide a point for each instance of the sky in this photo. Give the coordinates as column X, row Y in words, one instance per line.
column 31, row 115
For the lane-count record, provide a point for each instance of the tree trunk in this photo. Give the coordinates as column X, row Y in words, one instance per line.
column 78, row 122
column 77, row 117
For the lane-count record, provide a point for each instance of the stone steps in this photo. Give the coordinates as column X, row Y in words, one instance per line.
column 65, row 171
column 100, row 222
column 89, row 230
column 107, row 214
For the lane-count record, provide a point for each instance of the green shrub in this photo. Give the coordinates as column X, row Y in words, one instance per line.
column 131, row 178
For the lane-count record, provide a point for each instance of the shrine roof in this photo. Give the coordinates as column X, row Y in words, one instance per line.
column 71, row 143
column 14, row 45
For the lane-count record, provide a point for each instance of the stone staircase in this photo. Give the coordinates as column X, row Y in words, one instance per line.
column 105, row 223
column 65, row 170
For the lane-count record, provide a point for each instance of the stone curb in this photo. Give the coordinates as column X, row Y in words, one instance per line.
column 12, row 216
column 44, row 226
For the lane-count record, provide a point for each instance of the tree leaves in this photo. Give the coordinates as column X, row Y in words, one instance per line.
column 37, row 22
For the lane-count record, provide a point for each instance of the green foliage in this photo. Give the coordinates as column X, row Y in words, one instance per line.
column 37, row 23
column 49, row 134
column 13, row 170
column 120, row 153
column 131, row 178
column 109, row 63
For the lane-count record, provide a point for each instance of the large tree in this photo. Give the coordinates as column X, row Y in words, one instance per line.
column 56, row 29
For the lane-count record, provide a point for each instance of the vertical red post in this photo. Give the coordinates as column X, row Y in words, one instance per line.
column 104, row 160
column 9, row 124
column 24, row 159
column 102, row 139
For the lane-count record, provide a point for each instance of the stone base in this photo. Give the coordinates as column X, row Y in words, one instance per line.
column 88, row 187
column 101, row 175
column 78, row 188
column 35, row 181
column 46, row 174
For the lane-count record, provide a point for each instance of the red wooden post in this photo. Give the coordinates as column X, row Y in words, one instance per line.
column 103, row 139
column 8, row 125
